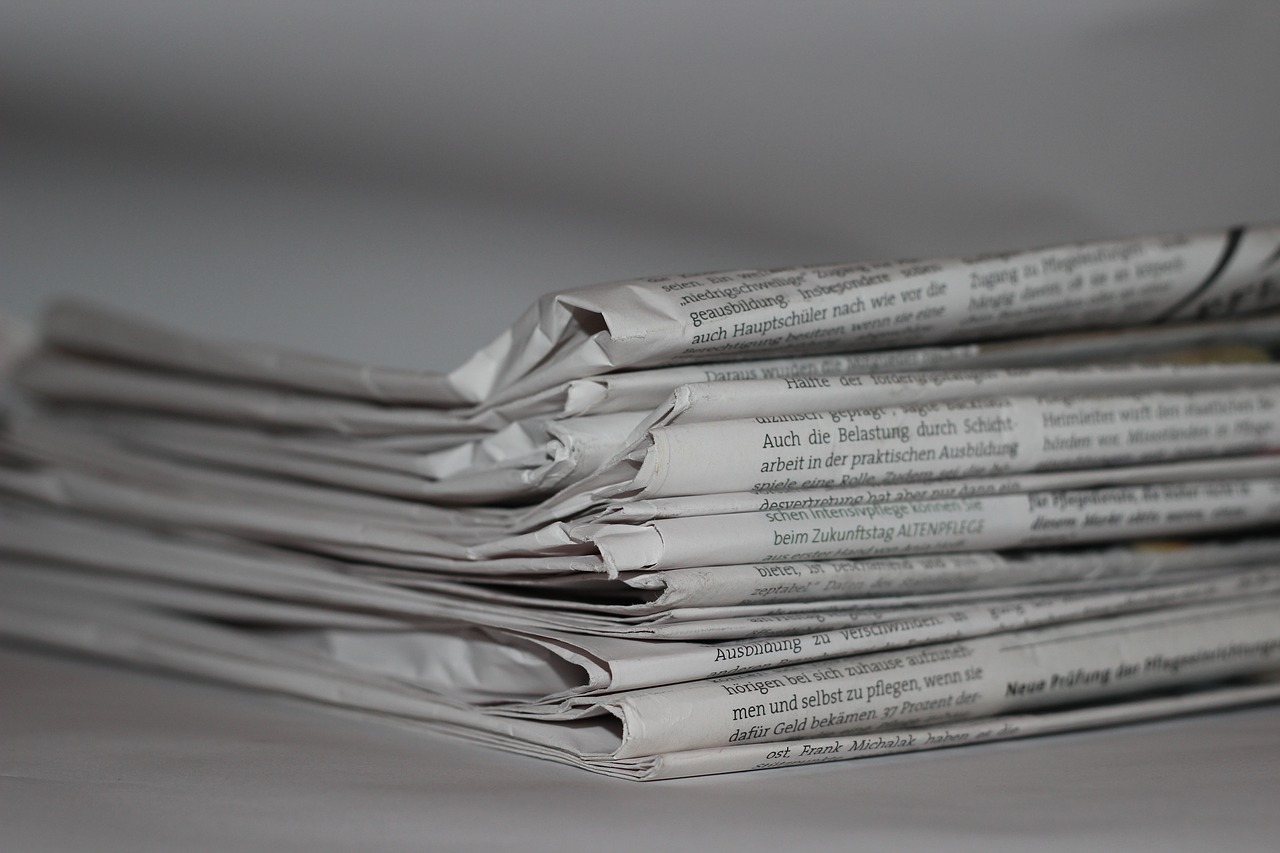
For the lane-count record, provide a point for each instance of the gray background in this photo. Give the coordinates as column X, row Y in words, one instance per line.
column 394, row 182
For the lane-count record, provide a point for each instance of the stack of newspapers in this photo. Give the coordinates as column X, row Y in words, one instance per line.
column 693, row 524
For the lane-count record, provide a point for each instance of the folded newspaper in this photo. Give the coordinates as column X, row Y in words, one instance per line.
column 691, row 524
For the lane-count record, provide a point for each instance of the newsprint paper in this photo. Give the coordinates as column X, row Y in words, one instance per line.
column 691, row 524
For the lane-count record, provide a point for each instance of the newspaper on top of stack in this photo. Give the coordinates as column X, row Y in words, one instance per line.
column 693, row 524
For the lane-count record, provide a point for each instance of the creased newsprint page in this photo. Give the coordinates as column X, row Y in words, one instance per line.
column 1038, row 519
column 742, row 757
column 592, row 651
column 528, row 459
column 97, row 331
column 316, row 529
column 1225, row 467
column 522, row 462
column 708, row 402
column 1248, row 339
column 726, row 316
column 374, row 455
column 1062, row 665
column 154, row 638
column 948, row 440
column 729, row 602
column 956, row 426
column 666, row 602
column 59, row 376
column 891, row 695
column 855, row 307
column 522, row 667
column 817, row 582
column 97, row 455
column 103, row 356
column 531, row 666
column 525, row 461
column 873, row 529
